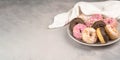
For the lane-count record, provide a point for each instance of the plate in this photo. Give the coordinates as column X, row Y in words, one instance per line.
column 96, row 44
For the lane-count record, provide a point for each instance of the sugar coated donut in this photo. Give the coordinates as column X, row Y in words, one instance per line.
column 112, row 32
column 84, row 17
column 89, row 35
column 77, row 30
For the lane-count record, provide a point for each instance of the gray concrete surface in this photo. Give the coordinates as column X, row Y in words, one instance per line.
column 24, row 34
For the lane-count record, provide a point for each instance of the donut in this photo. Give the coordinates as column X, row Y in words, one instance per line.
column 113, row 22
column 96, row 17
column 74, row 22
column 112, row 32
column 102, row 35
column 89, row 35
column 98, row 24
column 84, row 17
column 77, row 30
column 93, row 19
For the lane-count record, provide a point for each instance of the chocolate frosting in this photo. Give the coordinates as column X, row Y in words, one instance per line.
column 104, row 34
column 98, row 24
column 74, row 22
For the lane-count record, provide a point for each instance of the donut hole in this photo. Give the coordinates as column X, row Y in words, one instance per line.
column 76, row 23
column 101, row 25
column 80, row 31
column 90, row 34
column 108, row 22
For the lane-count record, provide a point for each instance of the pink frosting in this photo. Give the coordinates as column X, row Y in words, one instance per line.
column 93, row 19
column 111, row 21
column 77, row 30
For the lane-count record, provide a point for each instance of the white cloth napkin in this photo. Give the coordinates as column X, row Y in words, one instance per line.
column 108, row 8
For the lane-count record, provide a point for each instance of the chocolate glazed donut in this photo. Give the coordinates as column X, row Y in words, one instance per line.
column 98, row 24
column 101, row 32
column 74, row 22
column 102, row 35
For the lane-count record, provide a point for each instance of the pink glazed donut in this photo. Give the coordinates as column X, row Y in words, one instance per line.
column 93, row 19
column 77, row 30
column 111, row 21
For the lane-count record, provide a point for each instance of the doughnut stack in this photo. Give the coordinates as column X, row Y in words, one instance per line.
column 96, row 29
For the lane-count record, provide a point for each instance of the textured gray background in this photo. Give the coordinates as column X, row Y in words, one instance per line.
column 24, row 34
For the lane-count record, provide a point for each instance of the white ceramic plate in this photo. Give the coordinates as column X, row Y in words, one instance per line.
column 80, row 42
